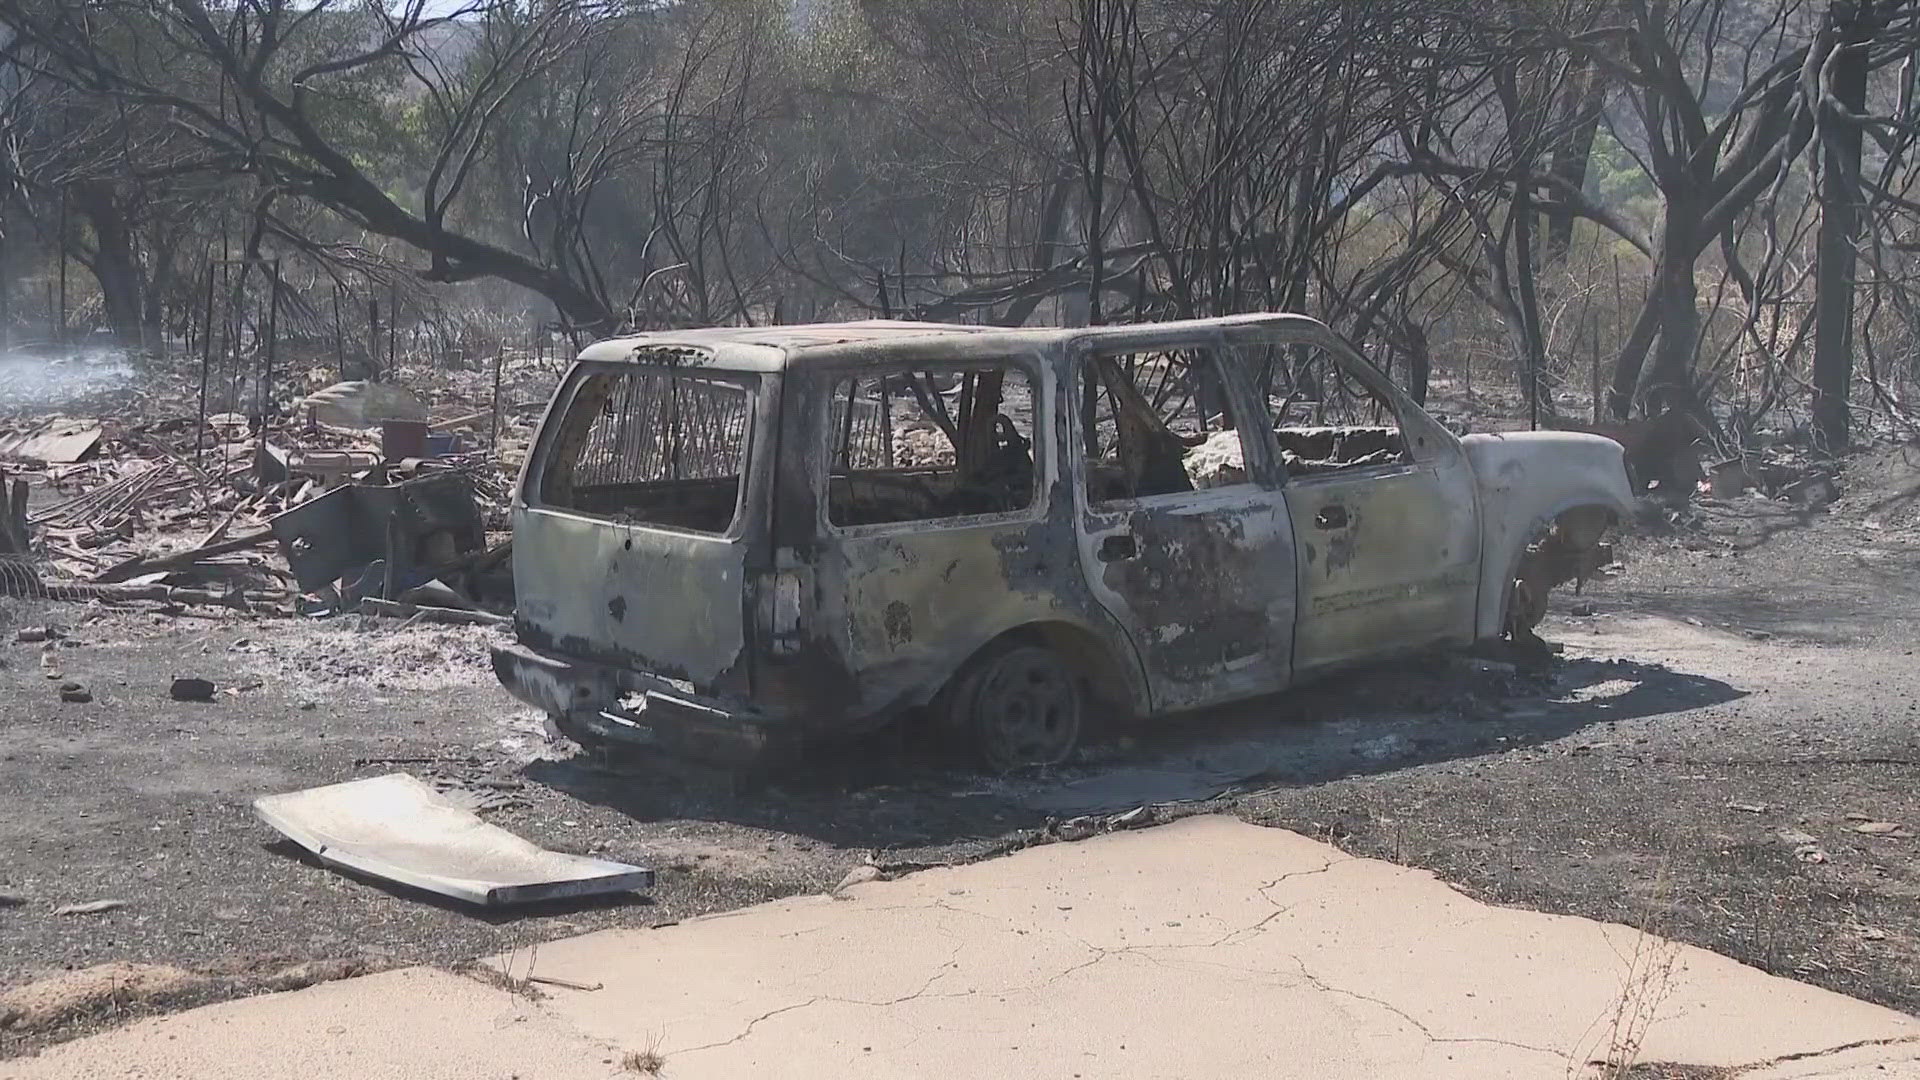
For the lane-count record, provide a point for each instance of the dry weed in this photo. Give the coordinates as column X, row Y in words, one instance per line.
column 1645, row 986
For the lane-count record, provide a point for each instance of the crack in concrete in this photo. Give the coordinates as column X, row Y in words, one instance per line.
column 1427, row 1033
column 1805, row 1055
column 1100, row 954
column 1321, row 869
column 1279, row 909
column 1266, row 893
column 1143, row 950
column 817, row 999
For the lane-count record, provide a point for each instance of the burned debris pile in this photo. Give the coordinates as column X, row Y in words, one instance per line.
column 363, row 497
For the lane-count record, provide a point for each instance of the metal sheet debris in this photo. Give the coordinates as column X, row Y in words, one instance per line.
column 362, row 405
column 396, row 828
column 58, row 442
column 422, row 523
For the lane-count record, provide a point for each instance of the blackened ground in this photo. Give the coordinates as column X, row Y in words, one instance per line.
column 1699, row 762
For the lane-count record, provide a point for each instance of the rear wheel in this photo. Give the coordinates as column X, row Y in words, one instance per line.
column 1021, row 706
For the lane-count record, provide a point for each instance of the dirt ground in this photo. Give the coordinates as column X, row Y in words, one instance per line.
column 1727, row 753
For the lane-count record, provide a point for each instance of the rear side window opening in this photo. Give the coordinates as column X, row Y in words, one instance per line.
column 916, row 444
column 652, row 446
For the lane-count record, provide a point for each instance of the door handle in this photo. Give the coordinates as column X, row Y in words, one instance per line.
column 1119, row 546
column 1331, row 516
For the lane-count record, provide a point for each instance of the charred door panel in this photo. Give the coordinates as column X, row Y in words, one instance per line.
column 1380, row 496
column 939, row 524
column 1177, row 540
column 659, row 602
column 1388, row 560
column 1204, row 584
column 918, row 604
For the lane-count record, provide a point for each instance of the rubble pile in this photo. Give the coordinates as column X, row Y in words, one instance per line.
column 1776, row 470
column 388, row 497
column 1216, row 462
column 920, row 444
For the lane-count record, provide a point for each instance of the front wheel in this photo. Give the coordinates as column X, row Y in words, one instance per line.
column 1022, row 706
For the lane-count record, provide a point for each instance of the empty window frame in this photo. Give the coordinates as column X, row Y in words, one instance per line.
column 1325, row 417
column 930, row 444
column 652, row 446
column 1156, row 422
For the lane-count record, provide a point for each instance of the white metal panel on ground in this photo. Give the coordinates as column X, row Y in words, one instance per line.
column 398, row 829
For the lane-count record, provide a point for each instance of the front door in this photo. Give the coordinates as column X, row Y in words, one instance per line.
column 1381, row 500
column 1178, row 539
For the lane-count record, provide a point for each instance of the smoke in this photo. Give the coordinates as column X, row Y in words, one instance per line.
column 37, row 382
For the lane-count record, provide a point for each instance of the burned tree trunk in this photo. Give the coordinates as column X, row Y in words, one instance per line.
column 1582, row 102
column 1835, row 256
column 1671, row 376
column 15, row 538
column 115, row 263
column 1668, row 325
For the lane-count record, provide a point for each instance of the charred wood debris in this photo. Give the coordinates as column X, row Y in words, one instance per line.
column 364, row 497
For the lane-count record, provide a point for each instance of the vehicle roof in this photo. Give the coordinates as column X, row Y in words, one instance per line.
column 773, row 348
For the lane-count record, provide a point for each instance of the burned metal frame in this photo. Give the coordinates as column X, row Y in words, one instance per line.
column 1160, row 604
column 229, row 344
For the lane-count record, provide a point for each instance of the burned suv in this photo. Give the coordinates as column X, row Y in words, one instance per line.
column 728, row 537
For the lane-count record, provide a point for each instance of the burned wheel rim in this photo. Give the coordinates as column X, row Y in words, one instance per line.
column 1026, row 709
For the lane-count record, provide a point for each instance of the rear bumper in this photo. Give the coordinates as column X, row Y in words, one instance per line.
column 621, row 707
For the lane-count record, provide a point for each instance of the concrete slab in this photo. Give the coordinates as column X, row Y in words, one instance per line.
column 1873, row 1061
column 411, row 1024
column 1205, row 948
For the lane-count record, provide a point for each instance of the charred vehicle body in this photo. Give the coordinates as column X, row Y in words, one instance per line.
column 728, row 537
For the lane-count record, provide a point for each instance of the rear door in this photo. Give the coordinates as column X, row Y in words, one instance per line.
column 933, row 512
column 1380, row 497
column 1198, row 566
column 640, row 507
